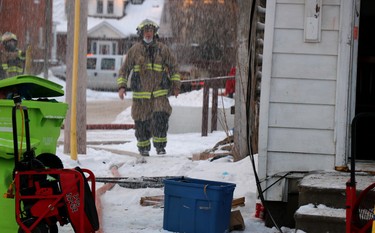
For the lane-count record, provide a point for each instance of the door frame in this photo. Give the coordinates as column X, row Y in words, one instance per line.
column 345, row 86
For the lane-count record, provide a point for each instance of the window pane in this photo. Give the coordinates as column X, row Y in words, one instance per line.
column 99, row 6
column 110, row 7
column 94, row 48
column 104, row 49
column 114, row 48
column 108, row 64
column 91, row 63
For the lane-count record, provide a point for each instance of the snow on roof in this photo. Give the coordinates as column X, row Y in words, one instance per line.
column 150, row 9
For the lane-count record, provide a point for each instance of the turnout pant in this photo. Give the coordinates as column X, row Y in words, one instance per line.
column 155, row 128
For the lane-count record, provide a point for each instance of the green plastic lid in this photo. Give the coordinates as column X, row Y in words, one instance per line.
column 30, row 86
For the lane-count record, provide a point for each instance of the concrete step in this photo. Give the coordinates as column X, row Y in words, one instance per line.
column 320, row 219
column 329, row 197
column 322, row 197
column 328, row 188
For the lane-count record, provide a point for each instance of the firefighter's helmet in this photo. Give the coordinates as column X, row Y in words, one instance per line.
column 8, row 36
column 145, row 24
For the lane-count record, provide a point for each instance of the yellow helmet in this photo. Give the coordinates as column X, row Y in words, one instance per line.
column 145, row 24
column 8, row 36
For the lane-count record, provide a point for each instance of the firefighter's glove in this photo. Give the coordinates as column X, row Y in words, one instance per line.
column 121, row 92
column 176, row 92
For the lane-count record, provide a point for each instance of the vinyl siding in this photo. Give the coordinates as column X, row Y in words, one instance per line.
column 297, row 128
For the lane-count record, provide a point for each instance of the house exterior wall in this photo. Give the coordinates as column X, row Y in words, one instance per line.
column 105, row 31
column 303, row 102
column 118, row 9
column 123, row 46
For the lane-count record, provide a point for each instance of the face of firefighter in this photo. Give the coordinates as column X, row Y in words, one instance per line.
column 10, row 45
column 148, row 35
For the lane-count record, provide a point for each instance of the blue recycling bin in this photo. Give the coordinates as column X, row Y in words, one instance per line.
column 197, row 206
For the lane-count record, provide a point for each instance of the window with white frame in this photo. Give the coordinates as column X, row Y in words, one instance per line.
column 110, row 7
column 104, row 47
column 99, row 6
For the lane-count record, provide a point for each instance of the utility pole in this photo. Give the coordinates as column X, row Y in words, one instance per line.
column 249, row 75
column 80, row 116
column 47, row 35
column 241, row 141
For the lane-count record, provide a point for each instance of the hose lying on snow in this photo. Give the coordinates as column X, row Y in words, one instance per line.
column 137, row 182
column 100, row 191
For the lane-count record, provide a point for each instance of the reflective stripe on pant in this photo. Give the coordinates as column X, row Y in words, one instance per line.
column 157, row 128
column 160, row 129
column 143, row 134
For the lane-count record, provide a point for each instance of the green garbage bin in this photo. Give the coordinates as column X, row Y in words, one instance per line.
column 46, row 116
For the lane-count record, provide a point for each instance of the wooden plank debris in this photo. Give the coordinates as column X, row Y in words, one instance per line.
column 159, row 201
column 238, row 202
column 152, row 200
column 203, row 156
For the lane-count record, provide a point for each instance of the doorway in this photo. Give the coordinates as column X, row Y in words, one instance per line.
column 365, row 88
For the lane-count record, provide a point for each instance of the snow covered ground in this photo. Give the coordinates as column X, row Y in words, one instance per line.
column 121, row 209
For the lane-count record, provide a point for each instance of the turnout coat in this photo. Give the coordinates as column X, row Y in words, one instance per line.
column 154, row 76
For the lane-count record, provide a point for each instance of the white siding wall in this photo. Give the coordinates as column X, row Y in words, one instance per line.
column 298, row 95
column 118, row 8
column 105, row 30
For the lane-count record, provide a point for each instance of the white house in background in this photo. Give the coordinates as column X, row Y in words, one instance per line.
column 104, row 38
column 111, row 24
column 318, row 74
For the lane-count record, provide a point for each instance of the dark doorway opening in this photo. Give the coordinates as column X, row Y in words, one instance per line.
column 365, row 92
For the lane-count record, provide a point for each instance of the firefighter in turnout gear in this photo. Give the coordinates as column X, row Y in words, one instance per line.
column 154, row 76
column 12, row 59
